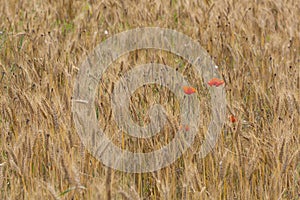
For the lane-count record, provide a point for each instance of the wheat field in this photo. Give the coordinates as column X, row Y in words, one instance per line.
column 256, row 46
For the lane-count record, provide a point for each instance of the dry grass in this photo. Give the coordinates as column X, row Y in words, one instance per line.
column 256, row 46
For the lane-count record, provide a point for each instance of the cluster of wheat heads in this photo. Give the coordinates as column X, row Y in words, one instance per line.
column 254, row 43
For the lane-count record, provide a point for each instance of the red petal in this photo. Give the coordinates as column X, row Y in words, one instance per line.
column 216, row 82
column 187, row 128
column 232, row 119
column 188, row 90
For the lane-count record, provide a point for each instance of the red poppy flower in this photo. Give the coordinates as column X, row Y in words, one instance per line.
column 189, row 90
column 232, row 118
column 184, row 127
column 216, row 82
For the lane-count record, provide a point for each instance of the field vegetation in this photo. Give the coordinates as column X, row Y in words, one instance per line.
column 256, row 46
